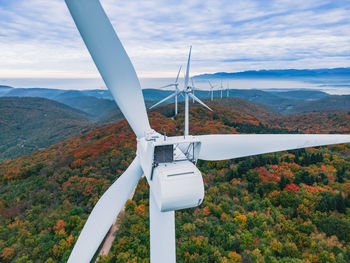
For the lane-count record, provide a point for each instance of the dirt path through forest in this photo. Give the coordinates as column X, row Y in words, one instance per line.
column 107, row 245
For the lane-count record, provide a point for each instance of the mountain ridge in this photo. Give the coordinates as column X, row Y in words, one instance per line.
column 28, row 124
column 20, row 118
column 278, row 73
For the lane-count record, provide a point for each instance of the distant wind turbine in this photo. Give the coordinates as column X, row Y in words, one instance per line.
column 211, row 92
column 221, row 89
column 188, row 90
column 189, row 93
column 193, row 87
column 228, row 89
column 175, row 94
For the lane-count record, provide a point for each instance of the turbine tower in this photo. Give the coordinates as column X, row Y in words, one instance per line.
column 161, row 159
column 193, row 87
column 211, row 92
column 228, row 89
column 189, row 92
column 175, row 94
column 221, row 89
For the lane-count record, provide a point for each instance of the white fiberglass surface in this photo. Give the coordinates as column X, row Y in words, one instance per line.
column 229, row 146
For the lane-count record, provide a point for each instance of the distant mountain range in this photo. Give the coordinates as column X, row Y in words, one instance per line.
column 280, row 73
column 99, row 104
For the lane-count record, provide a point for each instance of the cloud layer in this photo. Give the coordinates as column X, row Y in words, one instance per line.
column 38, row 37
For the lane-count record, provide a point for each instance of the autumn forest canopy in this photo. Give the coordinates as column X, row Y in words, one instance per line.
column 290, row 206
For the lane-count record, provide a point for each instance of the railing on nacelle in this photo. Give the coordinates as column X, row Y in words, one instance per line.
column 176, row 152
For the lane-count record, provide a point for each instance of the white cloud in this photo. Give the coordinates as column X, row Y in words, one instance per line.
column 38, row 37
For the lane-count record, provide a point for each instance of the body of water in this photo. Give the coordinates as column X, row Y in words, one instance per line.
column 331, row 86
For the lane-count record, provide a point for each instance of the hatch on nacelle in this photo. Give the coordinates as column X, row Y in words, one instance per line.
column 164, row 154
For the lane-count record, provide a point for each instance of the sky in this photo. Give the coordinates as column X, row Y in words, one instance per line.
column 38, row 38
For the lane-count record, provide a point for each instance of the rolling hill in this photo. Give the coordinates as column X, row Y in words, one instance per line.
column 24, row 128
column 96, row 103
column 99, row 103
column 251, row 108
column 95, row 107
column 305, row 95
column 284, row 102
column 315, row 122
column 29, row 124
column 331, row 103
column 286, row 207
column 4, row 90
column 235, row 105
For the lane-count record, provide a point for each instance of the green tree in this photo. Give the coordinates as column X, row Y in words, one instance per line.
column 335, row 226
column 340, row 203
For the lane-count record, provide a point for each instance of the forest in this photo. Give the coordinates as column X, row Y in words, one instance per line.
column 284, row 207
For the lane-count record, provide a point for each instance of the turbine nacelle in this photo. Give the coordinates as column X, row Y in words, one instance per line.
column 169, row 166
column 189, row 89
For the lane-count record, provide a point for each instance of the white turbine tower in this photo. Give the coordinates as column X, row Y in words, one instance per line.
column 221, row 89
column 167, row 163
column 211, row 92
column 193, row 88
column 189, row 93
column 228, row 89
column 175, row 94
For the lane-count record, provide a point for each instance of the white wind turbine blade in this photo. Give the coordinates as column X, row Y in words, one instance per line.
column 211, row 90
column 188, row 69
column 199, row 101
column 178, row 74
column 111, row 60
column 229, row 146
column 193, row 88
column 211, row 85
column 167, row 86
column 192, row 84
column 104, row 214
column 169, row 97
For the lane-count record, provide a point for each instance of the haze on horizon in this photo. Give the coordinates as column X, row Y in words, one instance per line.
column 39, row 40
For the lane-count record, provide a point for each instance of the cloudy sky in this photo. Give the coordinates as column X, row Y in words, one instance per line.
column 38, row 38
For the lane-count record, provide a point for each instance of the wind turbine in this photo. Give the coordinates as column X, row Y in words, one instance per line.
column 211, row 90
column 221, row 89
column 168, row 163
column 228, row 89
column 193, row 88
column 175, row 94
column 189, row 93
column 188, row 90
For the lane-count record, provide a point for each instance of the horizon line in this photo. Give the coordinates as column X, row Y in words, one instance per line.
column 171, row 75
